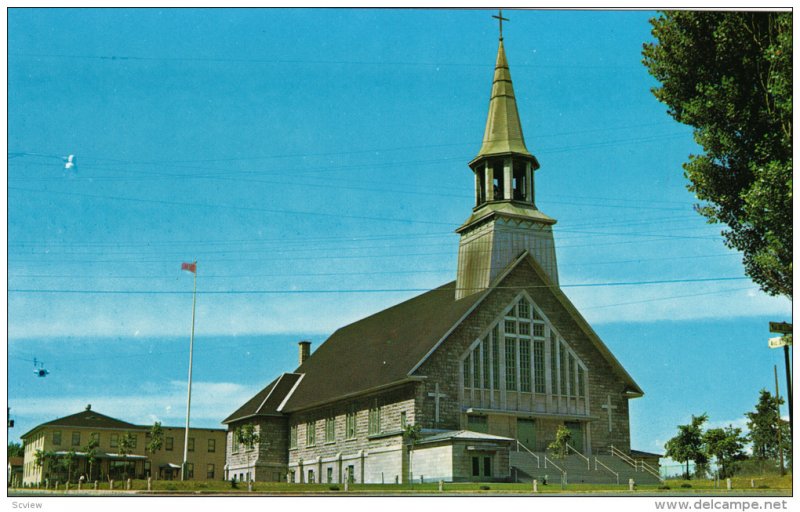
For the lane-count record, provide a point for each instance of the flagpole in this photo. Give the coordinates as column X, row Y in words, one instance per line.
column 189, row 392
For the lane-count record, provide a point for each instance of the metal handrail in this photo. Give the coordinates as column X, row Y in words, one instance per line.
column 546, row 460
column 538, row 463
column 588, row 464
column 650, row 469
column 596, row 462
column 624, row 457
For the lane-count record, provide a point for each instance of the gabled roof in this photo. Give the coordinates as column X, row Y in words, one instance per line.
column 385, row 349
column 379, row 350
column 267, row 402
column 88, row 419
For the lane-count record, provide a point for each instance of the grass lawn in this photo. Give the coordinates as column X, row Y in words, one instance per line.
column 741, row 486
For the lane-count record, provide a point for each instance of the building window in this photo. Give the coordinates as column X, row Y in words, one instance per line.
column 169, row 443
column 476, row 368
column 57, row 438
column 476, row 466
column 467, row 372
column 96, row 437
column 293, row 436
column 487, row 466
column 311, row 476
column 210, row 471
column 478, row 424
column 350, row 425
column 523, row 309
column 76, row 439
column 330, row 430
column 554, row 364
column 525, row 365
column 581, row 381
column 495, row 358
column 403, row 420
column 212, row 445
column 511, row 364
column 190, row 446
column 564, row 369
column 538, row 366
column 114, row 440
column 330, row 475
column 134, row 440
column 485, row 356
column 375, row 421
column 189, row 470
column 311, row 434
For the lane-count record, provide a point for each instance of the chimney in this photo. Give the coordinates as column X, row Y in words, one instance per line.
column 305, row 350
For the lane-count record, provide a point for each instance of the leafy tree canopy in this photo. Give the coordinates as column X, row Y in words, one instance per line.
column 726, row 445
column 763, row 425
column 688, row 444
column 15, row 450
column 729, row 76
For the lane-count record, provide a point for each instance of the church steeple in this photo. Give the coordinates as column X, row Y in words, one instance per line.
column 503, row 134
column 505, row 221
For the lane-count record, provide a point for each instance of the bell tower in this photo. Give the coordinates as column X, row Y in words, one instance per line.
column 505, row 221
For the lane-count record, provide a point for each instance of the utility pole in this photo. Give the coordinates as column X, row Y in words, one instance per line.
column 784, row 341
column 778, row 401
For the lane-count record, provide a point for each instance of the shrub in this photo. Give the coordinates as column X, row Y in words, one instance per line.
column 664, row 487
column 686, row 486
column 334, row 487
column 485, row 488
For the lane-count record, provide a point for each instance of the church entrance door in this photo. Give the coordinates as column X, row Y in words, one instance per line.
column 576, row 429
column 526, row 433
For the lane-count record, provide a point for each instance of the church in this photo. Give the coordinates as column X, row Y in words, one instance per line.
column 467, row 382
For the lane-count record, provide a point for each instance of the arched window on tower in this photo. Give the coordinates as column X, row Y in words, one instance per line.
column 499, row 180
column 480, row 185
column 519, row 186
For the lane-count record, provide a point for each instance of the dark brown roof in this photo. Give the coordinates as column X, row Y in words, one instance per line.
column 266, row 401
column 379, row 350
column 88, row 419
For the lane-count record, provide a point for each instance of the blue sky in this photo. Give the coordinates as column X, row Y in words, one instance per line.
column 314, row 162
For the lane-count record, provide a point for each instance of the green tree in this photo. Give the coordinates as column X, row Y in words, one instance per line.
column 125, row 448
column 155, row 438
column 411, row 434
column 247, row 435
column 558, row 448
column 763, row 425
column 44, row 460
column 15, row 450
column 67, row 462
column 688, row 444
column 726, row 445
column 91, row 454
column 729, row 76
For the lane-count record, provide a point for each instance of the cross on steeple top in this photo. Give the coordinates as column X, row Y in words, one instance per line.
column 500, row 18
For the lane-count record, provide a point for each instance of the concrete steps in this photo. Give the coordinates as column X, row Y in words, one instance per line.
column 525, row 468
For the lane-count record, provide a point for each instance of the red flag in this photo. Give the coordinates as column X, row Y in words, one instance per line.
column 191, row 267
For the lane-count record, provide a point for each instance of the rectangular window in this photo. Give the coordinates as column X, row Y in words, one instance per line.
column 351, row 425
column 330, row 430
column 375, row 421
column 467, row 372
column 485, row 354
column 525, row 365
column 538, row 330
column 478, row 424
column 511, row 364
column 554, row 364
column 538, row 366
column 330, row 475
column 114, row 440
column 134, row 440
column 476, row 368
column 190, row 447
column 57, row 438
column 209, row 471
column 571, row 374
column 476, row 466
column 311, row 434
column 293, row 436
column 189, row 470
column 581, row 381
column 495, row 358
column 510, row 327
column 525, row 328
column 403, row 420
column 76, row 439
column 169, row 443
column 96, row 437
column 536, row 315
column 212, row 445
column 564, row 368
column 523, row 309
column 487, row 466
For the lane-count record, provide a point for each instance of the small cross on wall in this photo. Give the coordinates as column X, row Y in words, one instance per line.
column 608, row 407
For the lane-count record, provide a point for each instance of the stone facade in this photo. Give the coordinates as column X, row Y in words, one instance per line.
column 603, row 381
column 264, row 462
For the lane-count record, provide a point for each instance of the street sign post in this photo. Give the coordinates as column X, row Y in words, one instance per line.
column 780, row 327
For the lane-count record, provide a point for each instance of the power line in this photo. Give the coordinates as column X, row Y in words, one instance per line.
column 385, row 290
